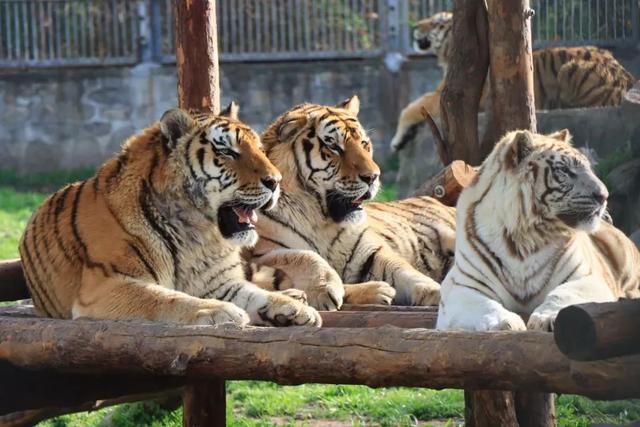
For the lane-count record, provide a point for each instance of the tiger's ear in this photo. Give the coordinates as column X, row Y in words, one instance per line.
column 352, row 105
column 562, row 135
column 174, row 124
column 520, row 147
column 231, row 111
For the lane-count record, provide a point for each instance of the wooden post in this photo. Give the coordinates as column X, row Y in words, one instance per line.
column 465, row 81
column 511, row 71
column 199, row 89
column 13, row 287
column 197, row 55
column 512, row 107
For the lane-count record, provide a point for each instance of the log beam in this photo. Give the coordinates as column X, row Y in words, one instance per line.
column 598, row 330
column 13, row 286
column 378, row 357
column 448, row 184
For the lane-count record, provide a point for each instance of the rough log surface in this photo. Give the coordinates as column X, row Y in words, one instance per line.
column 535, row 409
column 465, row 81
column 375, row 356
column 511, row 71
column 598, row 330
column 13, row 287
column 485, row 408
column 448, row 184
column 197, row 55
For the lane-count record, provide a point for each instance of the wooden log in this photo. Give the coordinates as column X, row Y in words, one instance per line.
column 464, row 81
column 396, row 308
column 23, row 389
column 448, row 184
column 13, row 287
column 364, row 319
column 598, row 330
column 197, row 55
column 376, row 357
column 511, row 71
column 31, row 417
column 204, row 404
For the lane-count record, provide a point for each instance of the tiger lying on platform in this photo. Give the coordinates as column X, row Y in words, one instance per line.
column 531, row 240
column 564, row 77
column 156, row 234
column 321, row 235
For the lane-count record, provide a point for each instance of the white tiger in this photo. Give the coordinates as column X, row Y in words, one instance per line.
column 530, row 240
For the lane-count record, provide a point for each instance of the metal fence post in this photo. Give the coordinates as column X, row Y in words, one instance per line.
column 635, row 21
column 155, row 31
column 393, row 23
column 144, row 48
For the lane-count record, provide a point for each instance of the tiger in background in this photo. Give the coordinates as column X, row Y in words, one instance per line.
column 324, row 240
column 563, row 77
column 531, row 240
column 157, row 233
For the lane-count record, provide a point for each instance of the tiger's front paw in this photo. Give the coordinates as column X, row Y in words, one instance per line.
column 507, row 321
column 369, row 293
column 326, row 296
column 281, row 310
column 542, row 321
column 218, row 313
column 425, row 293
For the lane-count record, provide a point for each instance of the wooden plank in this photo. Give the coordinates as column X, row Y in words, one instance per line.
column 598, row 330
column 372, row 319
column 379, row 357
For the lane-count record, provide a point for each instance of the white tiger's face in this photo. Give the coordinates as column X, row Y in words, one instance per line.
column 332, row 158
column 226, row 173
column 562, row 184
column 430, row 33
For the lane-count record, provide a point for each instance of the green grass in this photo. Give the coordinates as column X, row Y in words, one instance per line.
column 253, row 403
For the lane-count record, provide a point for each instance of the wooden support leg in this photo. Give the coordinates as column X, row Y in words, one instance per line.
column 535, row 409
column 204, row 404
column 489, row 408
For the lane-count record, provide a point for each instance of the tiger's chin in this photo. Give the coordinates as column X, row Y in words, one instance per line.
column 346, row 210
column 585, row 221
column 237, row 223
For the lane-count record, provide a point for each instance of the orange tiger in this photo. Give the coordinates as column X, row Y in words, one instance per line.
column 156, row 234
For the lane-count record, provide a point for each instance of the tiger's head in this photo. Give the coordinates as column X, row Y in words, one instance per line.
column 225, row 173
column 324, row 152
column 555, row 179
column 430, row 33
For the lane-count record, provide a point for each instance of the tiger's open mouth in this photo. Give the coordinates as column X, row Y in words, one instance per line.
column 236, row 218
column 423, row 43
column 341, row 206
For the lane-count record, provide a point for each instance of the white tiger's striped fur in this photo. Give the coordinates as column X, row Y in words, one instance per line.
column 530, row 240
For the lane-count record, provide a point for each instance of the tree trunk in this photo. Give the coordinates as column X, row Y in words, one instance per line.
column 204, row 404
column 13, row 287
column 511, row 71
column 465, row 81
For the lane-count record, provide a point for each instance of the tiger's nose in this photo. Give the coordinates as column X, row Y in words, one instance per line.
column 600, row 196
column 369, row 178
column 271, row 182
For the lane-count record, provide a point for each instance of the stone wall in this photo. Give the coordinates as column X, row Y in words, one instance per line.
column 73, row 118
